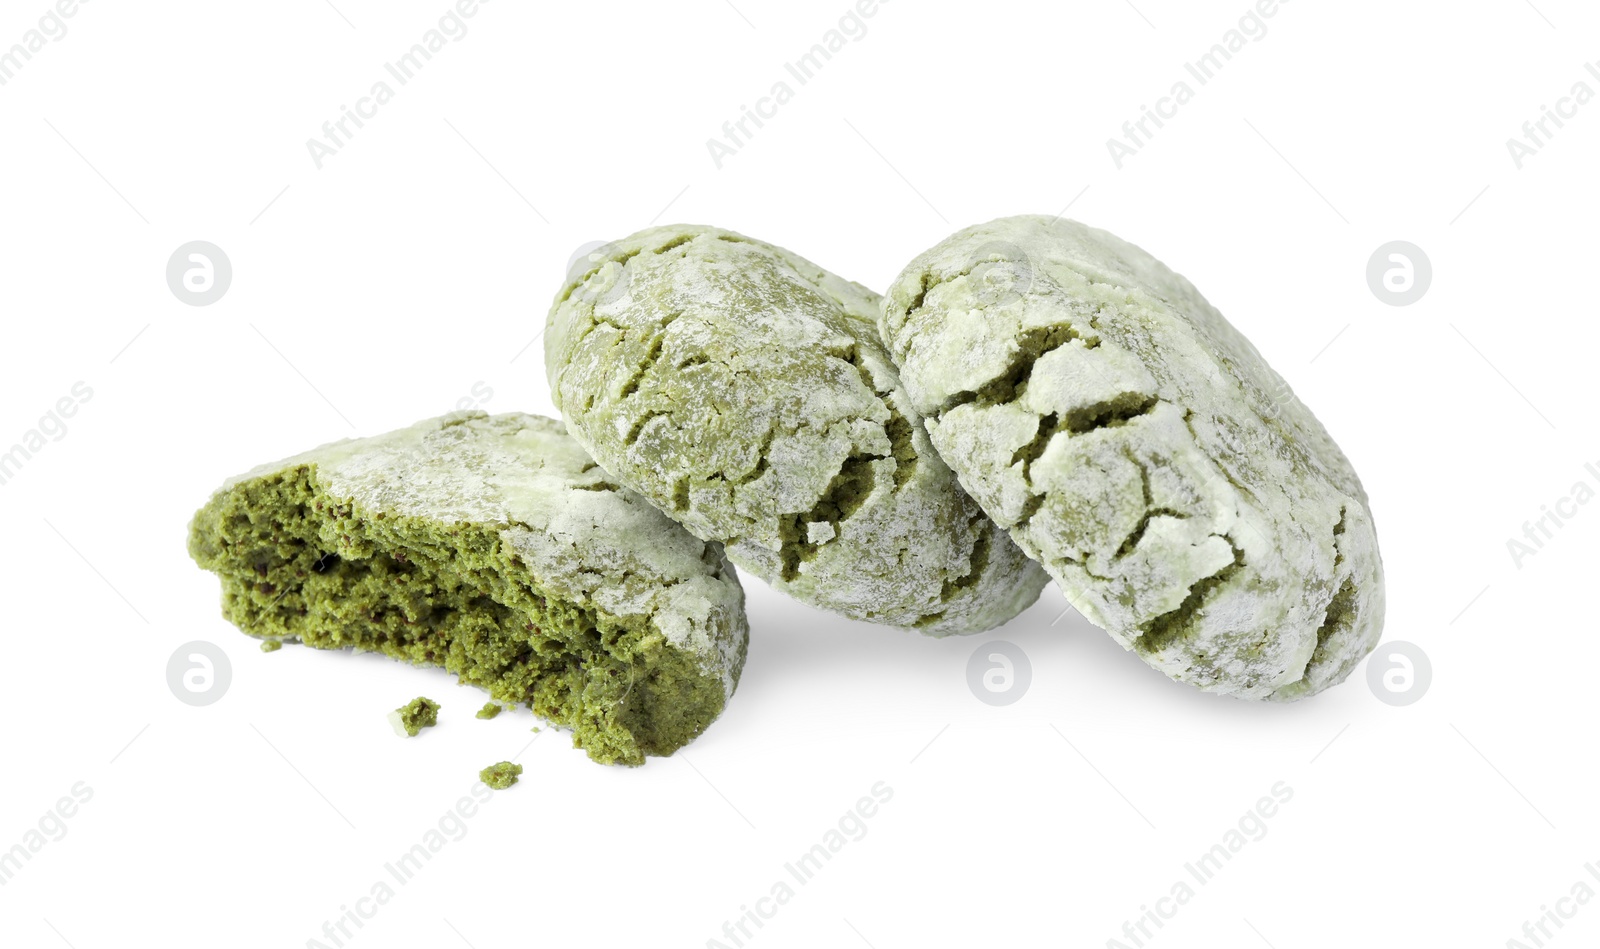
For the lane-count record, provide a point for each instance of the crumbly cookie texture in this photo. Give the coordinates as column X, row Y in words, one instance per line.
column 496, row 548
column 745, row 392
column 411, row 718
column 1139, row 446
column 500, row 775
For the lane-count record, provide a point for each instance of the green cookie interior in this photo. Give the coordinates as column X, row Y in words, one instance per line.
column 297, row 563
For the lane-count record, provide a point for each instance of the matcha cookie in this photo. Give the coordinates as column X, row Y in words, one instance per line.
column 495, row 548
column 745, row 392
column 1137, row 445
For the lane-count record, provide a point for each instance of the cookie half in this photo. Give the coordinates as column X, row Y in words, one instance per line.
column 495, row 548
column 1134, row 442
column 745, row 392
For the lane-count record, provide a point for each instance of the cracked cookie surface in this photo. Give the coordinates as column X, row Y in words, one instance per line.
column 496, row 548
column 745, row 392
column 1138, row 446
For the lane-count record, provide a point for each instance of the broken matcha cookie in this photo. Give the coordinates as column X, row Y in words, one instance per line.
column 495, row 548
column 745, row 392
column 1137, row 445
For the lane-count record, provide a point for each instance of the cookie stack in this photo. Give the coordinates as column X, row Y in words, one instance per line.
column 1034, row 399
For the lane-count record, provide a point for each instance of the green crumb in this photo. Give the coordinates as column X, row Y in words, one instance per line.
column 500, row 776
column 536, row 729
column 489, row 710
column 415, row 715
column 271, row 645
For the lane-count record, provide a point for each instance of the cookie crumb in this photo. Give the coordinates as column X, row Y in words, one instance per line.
column 414, row 716
column 500, row 776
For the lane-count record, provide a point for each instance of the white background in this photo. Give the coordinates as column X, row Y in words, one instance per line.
column 420, row 260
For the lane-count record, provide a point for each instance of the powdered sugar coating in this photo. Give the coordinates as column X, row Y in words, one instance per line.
column 1136, row 444
column 745, row 392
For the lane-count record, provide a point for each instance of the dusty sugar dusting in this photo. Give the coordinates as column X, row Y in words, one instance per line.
column 745, row 392
column 1134, row 442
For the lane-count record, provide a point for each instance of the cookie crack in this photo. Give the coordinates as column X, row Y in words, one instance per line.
column 1159, row 632
column 1339, row 614
column 674, row 244
column 621, row 260
column 897, row 429
column 639, row 423
column 595, row 322
column 1151, row 512
column 845, row 494
column 1109, row 413
column 925, row 283
column 1011, row 383
column 977, row 563
column 652, row 356
column 762, row 462
column 1135, row 536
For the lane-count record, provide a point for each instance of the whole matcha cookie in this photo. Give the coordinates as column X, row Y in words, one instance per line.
column 745, row 392
column 495, row 548
column 1136, row 444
